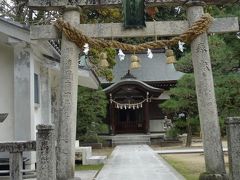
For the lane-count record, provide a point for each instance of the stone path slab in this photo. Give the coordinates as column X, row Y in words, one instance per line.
column 136, row 162
column 85, row 175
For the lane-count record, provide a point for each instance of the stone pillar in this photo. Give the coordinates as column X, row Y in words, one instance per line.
column 23, row 93
column 55, row 98
column 233, row 137
column 45, row 95
column 45, row 146
column 24, row 124
column 16, row 165
column 213, row 153
column 68, row 101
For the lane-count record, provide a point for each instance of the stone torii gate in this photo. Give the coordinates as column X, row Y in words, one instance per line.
column 215, row 168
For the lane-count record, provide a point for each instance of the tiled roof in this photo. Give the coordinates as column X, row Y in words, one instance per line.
column 155, row 69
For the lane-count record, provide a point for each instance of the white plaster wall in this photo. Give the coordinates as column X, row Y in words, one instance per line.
column 156, row 125
column 6, row 93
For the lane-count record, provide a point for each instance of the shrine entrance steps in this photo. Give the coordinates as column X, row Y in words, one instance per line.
column 138, row 138
column 137, row 162
column 128, row 139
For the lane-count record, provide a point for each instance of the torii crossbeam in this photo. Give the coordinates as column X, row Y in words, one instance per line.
column 214, row 161
column 55, row 4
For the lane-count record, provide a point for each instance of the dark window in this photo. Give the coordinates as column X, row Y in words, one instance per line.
column 36, row 89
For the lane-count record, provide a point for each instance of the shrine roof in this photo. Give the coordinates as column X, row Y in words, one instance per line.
column 141, row 84
column 152, row 70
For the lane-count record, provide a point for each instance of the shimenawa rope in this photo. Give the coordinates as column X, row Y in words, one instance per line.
column 80, row 39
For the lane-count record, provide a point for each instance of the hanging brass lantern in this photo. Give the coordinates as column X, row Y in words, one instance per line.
column 103, row 60
column 135, row 62
column 170, row 56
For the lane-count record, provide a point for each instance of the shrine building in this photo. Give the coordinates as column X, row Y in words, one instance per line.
column 135, row 94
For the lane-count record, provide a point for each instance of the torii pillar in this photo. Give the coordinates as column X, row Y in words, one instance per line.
column 213, row 153
column 68, row 101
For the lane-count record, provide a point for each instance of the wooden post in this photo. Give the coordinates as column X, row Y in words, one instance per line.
column 111, row 118
column 68, row 101
column 215, row 168
column 233, row 137
column 146, row 114
column 16, row 165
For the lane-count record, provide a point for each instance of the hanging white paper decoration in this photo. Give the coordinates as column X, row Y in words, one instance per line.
column 180, row 46
column 238, row 35
column 178, row 10
column 149, row 54
column 86, row 48
column 121, row 55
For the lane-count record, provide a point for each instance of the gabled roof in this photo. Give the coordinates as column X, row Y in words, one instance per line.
column 155, row 69
column 139, row 83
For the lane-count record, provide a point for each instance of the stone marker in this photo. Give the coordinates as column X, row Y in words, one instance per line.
column 46, row 157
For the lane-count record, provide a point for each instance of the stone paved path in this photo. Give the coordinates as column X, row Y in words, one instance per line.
column 136, row 162
column 85, row 175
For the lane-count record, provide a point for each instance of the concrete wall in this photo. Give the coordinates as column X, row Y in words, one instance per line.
column 156, row 125
column 6, row 93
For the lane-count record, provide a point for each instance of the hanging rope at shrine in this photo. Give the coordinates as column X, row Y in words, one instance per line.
column 80, row 39
column 129, row 105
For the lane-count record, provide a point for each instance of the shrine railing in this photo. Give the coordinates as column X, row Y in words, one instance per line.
column 45, row 155
column 15, row 161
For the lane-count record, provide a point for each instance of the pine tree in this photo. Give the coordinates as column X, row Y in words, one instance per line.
column 224, row 52
column 91, row 109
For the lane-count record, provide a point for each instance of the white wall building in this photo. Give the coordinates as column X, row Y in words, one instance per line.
column 29, row 83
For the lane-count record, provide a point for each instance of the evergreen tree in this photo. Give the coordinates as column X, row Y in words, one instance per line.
column 225, row 65
column 91, row 109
